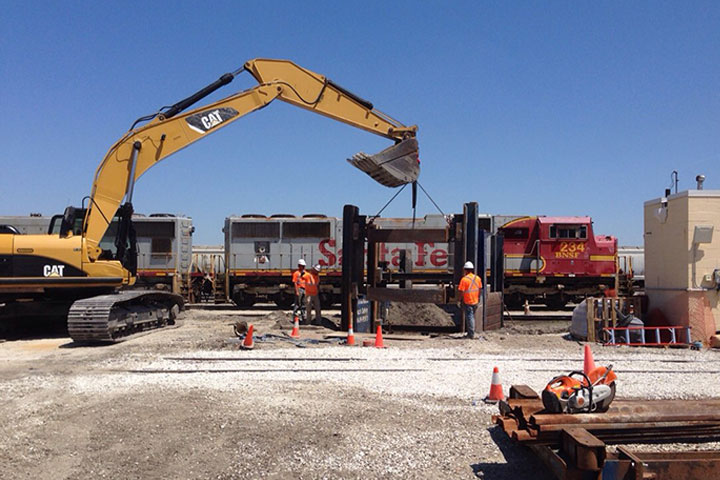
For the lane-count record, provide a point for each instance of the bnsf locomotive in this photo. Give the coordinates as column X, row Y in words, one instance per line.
column 556, row 258
column 553, row 259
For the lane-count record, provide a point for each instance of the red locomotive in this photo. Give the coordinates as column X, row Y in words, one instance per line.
column 556, row 258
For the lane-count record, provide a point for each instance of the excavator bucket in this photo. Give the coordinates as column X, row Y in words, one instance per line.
column 394, row 166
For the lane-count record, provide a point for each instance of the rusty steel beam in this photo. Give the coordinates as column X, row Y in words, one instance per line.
column 434, row 277
column 555, row 463
column 541, row 419
column 520, row 408
column 522, row 391
column 628, row 464
column 667, row 465
column 673, row 432
column 641, row 426
column 583, row 449
column 658, row 412
column 573, row 446
column 409, row 295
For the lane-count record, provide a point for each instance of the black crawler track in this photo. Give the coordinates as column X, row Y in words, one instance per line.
column 117, row 317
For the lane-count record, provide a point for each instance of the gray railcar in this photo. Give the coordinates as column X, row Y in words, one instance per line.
column 27, row 225
column 631, row 260
column 164, row 244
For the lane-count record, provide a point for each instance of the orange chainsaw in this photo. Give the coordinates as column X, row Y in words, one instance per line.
column 577, row 392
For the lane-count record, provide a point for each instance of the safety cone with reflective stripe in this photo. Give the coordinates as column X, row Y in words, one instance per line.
column 588, row 362
column 378, row 338
column 350, row 336
column 496, row 391
column 296, row 328
column 249, row 342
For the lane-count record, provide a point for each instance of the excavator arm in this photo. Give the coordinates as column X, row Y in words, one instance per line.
column 173, row 129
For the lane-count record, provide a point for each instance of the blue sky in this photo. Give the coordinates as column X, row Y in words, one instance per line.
column 556, row 108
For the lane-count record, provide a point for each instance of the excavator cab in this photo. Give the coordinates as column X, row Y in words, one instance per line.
column 69, row 222
column 119, row 241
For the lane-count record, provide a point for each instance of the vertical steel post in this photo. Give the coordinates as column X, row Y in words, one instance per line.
column 455, row 261
column 482, row 268
column 472, row 245
column 350, row 214
column 371, row 270
column 470, row 234
column 497, row 263
column 456, row 249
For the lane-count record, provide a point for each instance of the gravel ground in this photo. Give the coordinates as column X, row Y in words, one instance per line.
column 186, row 403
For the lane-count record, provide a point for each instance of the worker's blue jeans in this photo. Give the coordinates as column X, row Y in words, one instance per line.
column 469, row 312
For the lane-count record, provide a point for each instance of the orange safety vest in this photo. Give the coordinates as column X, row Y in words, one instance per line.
column 297, row 280
column 311, row 282
column 470, row 286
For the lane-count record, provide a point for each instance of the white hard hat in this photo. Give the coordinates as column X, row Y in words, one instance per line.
column 317, row 268
column 469, row 266
column 301, row 262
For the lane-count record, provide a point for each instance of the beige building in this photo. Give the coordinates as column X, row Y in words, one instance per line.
column 682, row 261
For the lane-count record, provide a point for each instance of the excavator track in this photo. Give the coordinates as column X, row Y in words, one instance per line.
column 117, row 317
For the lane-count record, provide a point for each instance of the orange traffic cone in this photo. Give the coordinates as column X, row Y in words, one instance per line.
column 350, row 336
column 496, row 391
column 378, row 338
column 249, row 342
column 588, row 363
column 296, row 328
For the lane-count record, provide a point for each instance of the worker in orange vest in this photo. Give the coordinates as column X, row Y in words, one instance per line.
column 470, row 287
column 311, row 281
column 298, row 307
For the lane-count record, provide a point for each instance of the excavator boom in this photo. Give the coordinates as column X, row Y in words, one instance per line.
column 170, row 131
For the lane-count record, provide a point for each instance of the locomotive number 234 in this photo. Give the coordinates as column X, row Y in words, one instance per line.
column 570, row 249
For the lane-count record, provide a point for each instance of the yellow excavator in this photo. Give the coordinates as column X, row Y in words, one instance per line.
column 79, row 273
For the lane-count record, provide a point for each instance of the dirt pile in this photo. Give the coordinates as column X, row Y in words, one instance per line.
column 418, row 314
column 278, row 319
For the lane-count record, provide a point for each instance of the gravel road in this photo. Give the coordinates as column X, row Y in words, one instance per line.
column 186, row 403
